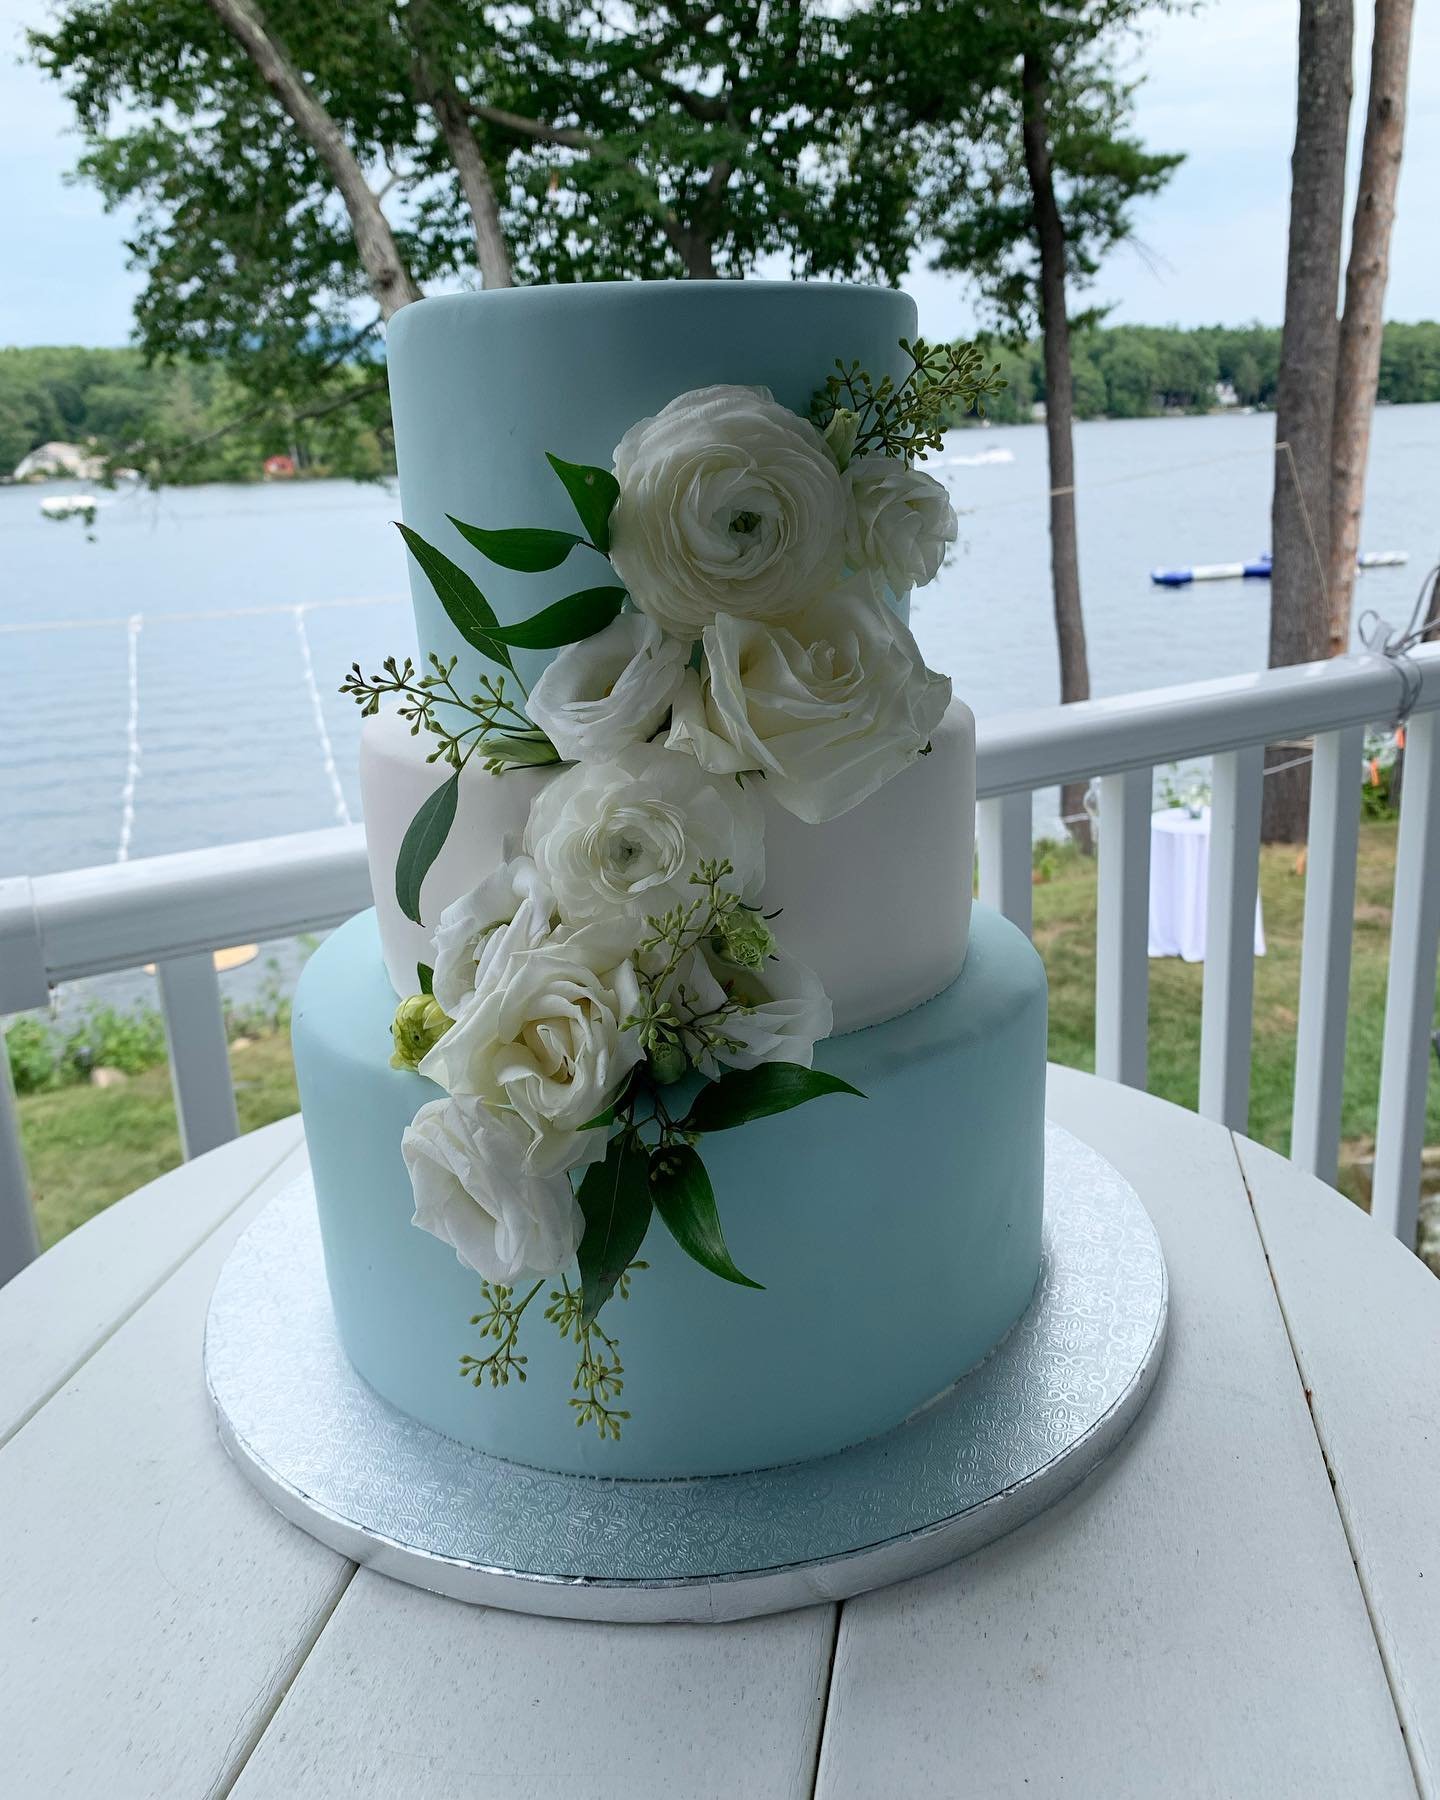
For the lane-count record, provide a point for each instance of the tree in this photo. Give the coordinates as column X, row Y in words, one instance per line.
column 1032, row 172
column 1305, row 388
column 1357, row 373
column 299, row 172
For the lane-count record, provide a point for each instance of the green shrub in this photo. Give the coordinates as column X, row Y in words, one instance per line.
column 30, row 1046
column 107, row 1038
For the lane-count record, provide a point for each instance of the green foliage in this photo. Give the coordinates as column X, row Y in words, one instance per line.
column 34, row 1056
column 186, row 422
column 593, row 493
column 530, row 549
column 465, row 606
column 741, row 1095
column 907, row 418
column 424, row 839
column 566, row 622
column 681, row 1191
column 615, row 1199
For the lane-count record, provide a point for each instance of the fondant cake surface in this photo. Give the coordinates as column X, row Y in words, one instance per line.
column 897, row 1237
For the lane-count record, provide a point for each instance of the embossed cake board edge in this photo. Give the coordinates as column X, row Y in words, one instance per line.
column 730, row 1595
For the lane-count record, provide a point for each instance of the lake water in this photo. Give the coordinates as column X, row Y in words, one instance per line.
column 160, row 690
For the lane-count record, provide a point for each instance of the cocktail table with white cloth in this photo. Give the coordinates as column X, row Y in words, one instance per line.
column 1243, row 1601
column 1179, row 881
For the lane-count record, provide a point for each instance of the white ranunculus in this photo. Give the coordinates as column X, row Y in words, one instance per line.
column 897, row 523
column 623, row 838
column 828, row 707
column 510, row 910
column 788, row 1010
column 729, row 503
column 543, row 1041
column 474, row 1193
column 609, row 690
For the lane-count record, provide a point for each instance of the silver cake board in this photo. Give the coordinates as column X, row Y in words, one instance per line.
column 1012, row 1436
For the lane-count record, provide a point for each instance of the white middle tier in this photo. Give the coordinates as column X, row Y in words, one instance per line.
column 876, row 901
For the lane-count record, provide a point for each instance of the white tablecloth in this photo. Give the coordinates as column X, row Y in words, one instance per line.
column 1179, row 875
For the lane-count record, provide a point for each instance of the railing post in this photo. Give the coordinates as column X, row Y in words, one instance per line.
column 1410, row 990
column 19, row 1243
column 1122, row 930
column 1004, row 828
column 1333, row 844
column 199, row 1054
column 1228, row 990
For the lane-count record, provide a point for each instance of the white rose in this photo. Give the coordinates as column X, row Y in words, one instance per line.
column 511, row 909
column 473, row 1192
column 623, row 838
column 828, row 707
column 788, row 1010
column 542, row 1039
column 898, row 522
column 608, row 690
column 729, row 503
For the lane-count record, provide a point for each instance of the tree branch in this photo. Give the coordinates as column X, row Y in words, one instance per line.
column 390, row 279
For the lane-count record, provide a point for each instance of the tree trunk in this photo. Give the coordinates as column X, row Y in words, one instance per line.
column 1305, row 387
column 1357, row 373
column 1059, row 411
column 390, row 280
column 491, row 251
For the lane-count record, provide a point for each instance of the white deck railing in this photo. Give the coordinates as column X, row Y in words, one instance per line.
column 175, row 911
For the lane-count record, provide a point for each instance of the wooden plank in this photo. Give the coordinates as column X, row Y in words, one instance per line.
column 199, row 1053
column 55, row 1314
column 1334, row 836
column 1187, row 1622
column 152, row 1606
column 1228, row 990
column 1364, row 1320
column 409, row 1694
column 1406, row 1066
column 1003, row 828
column 1122, row 948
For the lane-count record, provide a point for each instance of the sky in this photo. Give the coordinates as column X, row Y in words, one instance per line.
column 1219, row 86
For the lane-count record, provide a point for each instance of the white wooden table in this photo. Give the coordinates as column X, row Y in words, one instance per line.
column 1245, row 1601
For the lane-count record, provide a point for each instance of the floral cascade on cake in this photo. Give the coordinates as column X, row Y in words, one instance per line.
column 615, row 992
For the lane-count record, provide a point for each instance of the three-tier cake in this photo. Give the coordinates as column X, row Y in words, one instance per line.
column 674, row 833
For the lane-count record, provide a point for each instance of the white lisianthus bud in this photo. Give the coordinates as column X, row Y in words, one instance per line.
column 840, row 435
column 420, row 1023
column 898, row 522
column 474, row 1192
column 610, row 690
column 729, row 503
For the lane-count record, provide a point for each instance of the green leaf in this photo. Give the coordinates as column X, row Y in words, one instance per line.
column 567, row 621
column 681, row 1191
column 601, row 1121
column 593, row 493
column 424, row 838
column 745, row 1094
column 426, row 977
column 615, row 1199
column 530, row 549
column 465, row 606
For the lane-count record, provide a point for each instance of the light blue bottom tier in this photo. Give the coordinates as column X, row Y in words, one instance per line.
column 898, row 1237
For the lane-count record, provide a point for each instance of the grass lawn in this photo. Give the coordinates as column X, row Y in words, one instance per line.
column 88, row 1146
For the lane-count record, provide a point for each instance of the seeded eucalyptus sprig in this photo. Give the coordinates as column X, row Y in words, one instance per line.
column 907, row 418
column 501, row 731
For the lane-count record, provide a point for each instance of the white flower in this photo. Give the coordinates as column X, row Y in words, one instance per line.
column 898, row 522
column 623, row 838
column 473, row 1192
column 511, row 909
column 828, row 707
column 543, row 1040
column 608, row 690
column 788, row 1010
column 729, row 503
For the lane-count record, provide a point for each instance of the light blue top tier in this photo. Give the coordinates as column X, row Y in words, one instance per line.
column 898, row 1236
column 482, row 385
